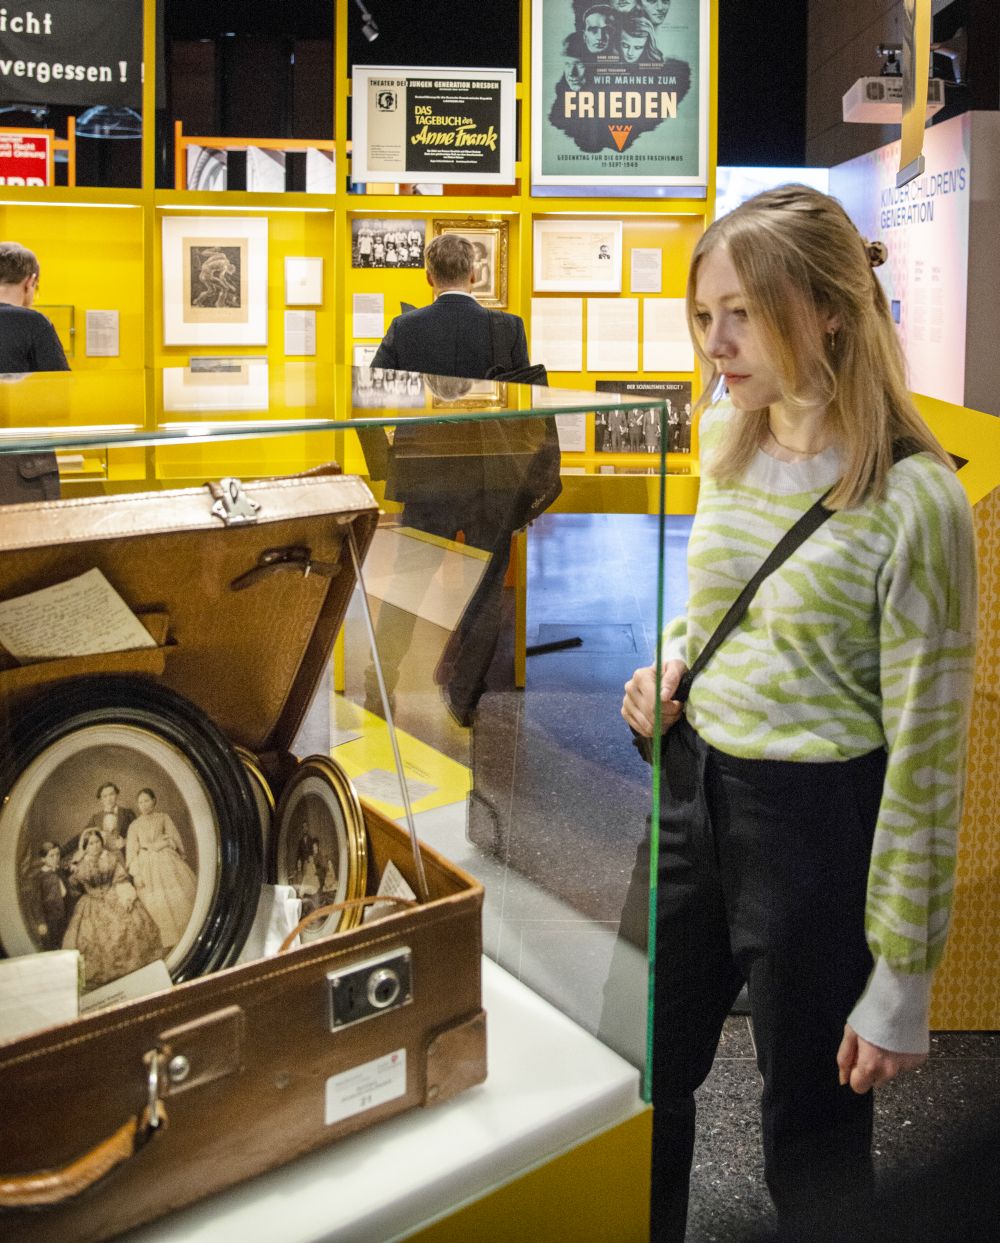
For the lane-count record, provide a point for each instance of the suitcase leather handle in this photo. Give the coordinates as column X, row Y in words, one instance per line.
column 47, row 1187
column 54, row 1186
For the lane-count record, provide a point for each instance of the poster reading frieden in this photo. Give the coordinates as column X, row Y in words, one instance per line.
column 440, row 126
column 620, row 93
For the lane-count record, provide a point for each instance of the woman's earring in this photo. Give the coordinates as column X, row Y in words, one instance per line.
column 831, row 340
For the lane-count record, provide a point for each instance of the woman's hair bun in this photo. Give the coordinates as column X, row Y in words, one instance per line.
column 877, row 253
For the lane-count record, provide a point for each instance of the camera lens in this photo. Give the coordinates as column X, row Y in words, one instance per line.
column 383, row 988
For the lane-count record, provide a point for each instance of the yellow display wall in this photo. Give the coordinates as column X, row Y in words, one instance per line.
column 967, row 985
column 91, row 258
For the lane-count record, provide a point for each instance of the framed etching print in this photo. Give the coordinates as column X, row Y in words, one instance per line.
column 489, row 241
column 578, row 256
column 214, row 281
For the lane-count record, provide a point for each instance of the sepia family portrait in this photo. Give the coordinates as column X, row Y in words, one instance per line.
column 108, row 862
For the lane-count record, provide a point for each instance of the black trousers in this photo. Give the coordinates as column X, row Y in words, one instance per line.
column 762, row 874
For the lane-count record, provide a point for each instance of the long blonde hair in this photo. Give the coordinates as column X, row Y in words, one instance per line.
column 801, row 264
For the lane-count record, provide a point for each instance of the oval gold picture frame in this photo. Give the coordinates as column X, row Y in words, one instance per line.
column 320, row 844
column 263, row 796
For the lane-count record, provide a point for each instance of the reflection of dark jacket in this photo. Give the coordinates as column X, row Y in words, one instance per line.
column 484, row 478
column 449, row 337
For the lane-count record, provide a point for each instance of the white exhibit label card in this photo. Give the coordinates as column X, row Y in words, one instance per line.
column 557, row 333
column 383, row 784
column 392, row 885
column 368, row 315
column 102, row 334
column 647, row 271
column 666, row 343
column 572, row 432
column 300, row 333
column 153, row 978
column 362, row 355
column 363, row 1087
column 38, row 991
column 78, row 617
column 612, row 334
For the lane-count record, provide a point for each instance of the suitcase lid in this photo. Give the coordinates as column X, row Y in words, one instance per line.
column 245, row 603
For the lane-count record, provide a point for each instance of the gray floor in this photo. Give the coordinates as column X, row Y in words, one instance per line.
column 921, row 1116
column 563, row 801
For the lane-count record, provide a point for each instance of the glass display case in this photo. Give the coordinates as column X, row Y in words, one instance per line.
column 503, row 601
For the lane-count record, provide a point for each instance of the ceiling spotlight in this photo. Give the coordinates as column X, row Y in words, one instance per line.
column 368, row 27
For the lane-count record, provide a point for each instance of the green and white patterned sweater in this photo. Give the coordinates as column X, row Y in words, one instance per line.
column 863, row 638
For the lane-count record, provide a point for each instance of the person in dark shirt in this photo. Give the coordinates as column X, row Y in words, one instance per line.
column 28, row 342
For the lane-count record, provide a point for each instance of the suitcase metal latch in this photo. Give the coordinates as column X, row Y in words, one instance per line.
column 232, row 504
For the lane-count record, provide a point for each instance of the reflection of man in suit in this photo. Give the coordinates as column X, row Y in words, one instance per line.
column 474, row 479
column 454, row 335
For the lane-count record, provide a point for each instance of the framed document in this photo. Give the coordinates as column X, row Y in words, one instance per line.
column 489, row 241
column 433, row 125
column 321, row 849
column 303, row 280
column 578, row 256
column 214, row 280
column 127, row 832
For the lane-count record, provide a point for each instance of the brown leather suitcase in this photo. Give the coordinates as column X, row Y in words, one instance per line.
column 237, row 1066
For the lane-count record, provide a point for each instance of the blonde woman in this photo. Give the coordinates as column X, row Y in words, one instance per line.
column 813, row 779
column 154, row 856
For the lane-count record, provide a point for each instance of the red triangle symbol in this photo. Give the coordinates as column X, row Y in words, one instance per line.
column 620, row 134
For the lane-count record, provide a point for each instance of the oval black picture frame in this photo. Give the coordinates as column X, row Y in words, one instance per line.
column 148, row 706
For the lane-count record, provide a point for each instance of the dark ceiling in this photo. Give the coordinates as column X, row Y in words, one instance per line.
column 762, row 49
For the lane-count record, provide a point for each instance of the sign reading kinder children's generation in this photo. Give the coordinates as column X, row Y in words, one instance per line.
column 75, row 52
column 620, row 98
column 444, row 126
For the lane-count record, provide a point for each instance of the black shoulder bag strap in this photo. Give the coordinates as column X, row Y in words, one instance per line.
column 797, row 534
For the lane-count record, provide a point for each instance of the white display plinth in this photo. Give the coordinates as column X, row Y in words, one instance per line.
column 550, row 1086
